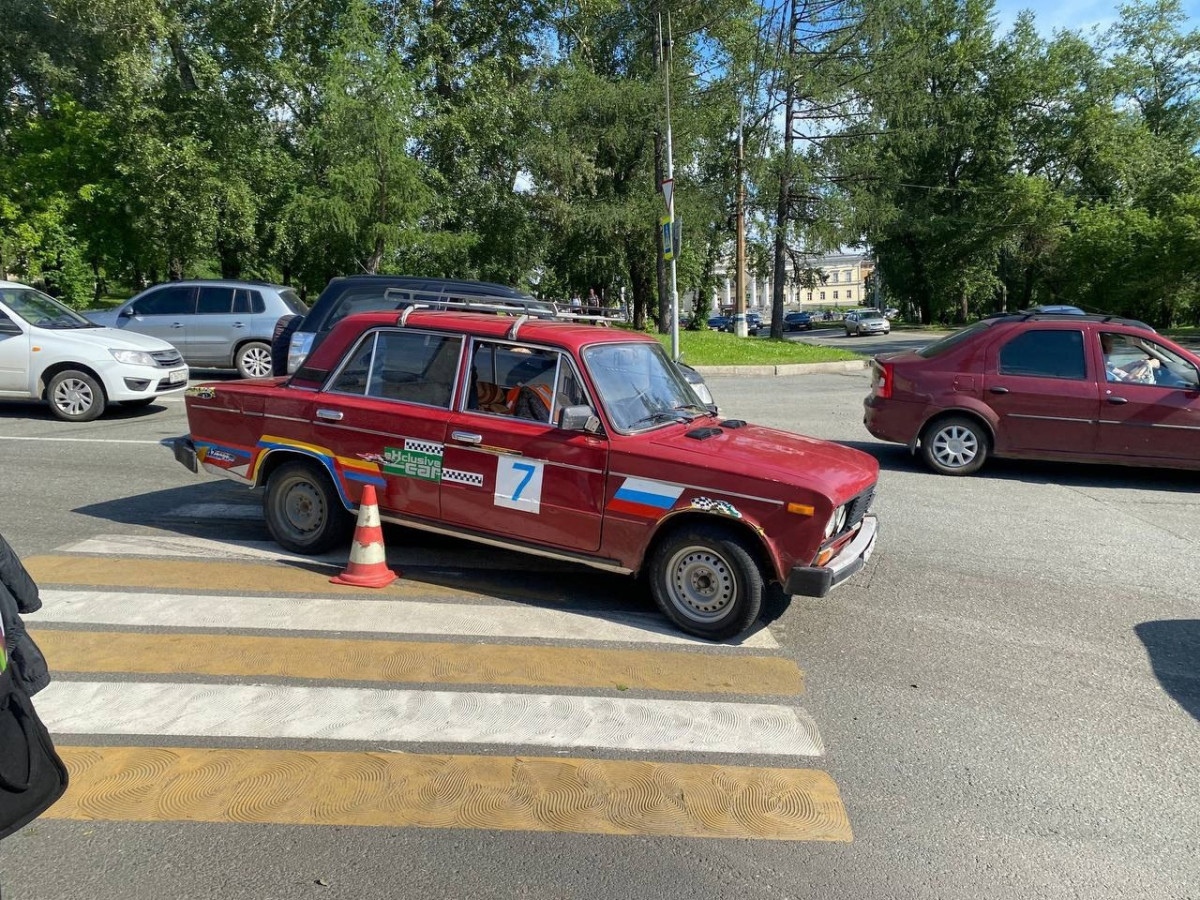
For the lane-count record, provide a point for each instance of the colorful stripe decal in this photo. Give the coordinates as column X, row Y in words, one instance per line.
column 644, row 498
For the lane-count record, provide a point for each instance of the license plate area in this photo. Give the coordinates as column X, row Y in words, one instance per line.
column 179, row 376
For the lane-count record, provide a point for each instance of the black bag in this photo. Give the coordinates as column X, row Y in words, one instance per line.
column 32, row 775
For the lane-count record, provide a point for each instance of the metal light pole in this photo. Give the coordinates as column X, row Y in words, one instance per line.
column 739, row 301
column 666, row 56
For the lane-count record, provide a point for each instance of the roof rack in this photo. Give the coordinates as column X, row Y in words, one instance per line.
column 512, row 306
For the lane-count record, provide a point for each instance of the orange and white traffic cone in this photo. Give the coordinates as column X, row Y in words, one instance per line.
column 368, row 559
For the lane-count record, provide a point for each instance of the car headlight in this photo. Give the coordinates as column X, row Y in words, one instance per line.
column 837, row 521
column 133, row 357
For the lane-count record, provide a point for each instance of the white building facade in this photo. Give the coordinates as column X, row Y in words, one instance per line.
column 840, row 282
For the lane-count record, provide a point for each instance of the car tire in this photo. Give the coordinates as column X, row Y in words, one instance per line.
column 253, row 360
column 955, row 445
column 76, row 396
column 704, row 579
column 303, row 510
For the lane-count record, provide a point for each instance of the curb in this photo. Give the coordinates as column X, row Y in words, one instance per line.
column 823, row 368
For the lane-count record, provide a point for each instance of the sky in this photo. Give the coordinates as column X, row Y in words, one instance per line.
column 1078, row 15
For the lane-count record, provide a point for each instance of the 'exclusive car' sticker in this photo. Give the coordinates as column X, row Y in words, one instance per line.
column 417, row 459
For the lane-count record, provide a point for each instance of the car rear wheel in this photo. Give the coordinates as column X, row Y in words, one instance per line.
column 955, row 445
column 75, row 396
column 303, row 511
column 705, row 580
column 254, row 360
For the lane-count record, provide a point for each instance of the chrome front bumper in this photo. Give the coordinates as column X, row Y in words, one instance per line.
column 817, row 581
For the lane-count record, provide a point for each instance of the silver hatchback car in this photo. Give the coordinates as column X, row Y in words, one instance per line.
column 213, row 324
column 866, row 321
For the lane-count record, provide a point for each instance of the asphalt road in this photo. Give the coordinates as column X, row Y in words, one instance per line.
column 1008, row 696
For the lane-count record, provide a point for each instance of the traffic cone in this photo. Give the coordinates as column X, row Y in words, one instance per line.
column 368, row 559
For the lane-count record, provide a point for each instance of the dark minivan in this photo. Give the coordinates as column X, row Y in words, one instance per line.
column 295, row 336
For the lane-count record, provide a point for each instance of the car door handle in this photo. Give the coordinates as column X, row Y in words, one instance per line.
column 1117, row 401
column 176, row 324
column 998, row 390
column 466, row 437
column 331, row 415
column 239, row 324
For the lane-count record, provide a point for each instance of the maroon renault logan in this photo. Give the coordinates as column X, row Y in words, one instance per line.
column 1041, row 386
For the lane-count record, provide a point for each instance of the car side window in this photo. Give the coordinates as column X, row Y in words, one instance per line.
column 174, row 300
column 1045, row 354
column 1134, row 359
column 213, row 300
column 248, row 302
column 408, row 366
column 526, row 382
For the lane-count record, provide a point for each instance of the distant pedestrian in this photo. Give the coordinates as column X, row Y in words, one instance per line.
column 576, row 303
column 594, row 304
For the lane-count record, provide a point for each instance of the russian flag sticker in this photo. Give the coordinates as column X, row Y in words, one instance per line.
column 648, row 499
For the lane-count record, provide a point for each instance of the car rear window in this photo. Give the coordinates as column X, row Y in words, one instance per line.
column 293, row 302
column 1044, row 354
column 937, row 348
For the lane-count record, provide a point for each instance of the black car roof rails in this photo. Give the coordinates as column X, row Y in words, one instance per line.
column 536, row 309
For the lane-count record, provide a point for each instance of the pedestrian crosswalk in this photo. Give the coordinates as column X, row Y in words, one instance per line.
column 212, row 681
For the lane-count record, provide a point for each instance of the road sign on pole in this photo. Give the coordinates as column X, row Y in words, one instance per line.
column 668, row 241
column 668, row 192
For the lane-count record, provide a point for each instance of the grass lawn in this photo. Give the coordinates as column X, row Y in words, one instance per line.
column 718, row 348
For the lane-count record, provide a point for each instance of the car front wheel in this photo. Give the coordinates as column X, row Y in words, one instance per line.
column 254, row 360
column 955, row 445
column 75, row 396
column 303, row 511
column 705, row 580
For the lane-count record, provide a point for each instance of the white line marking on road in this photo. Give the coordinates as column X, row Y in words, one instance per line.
column 71, row 440
column 367, row 714
column 203, row 548
column 326, row 615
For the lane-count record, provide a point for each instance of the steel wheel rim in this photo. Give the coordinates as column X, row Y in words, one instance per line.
column 302, row 509
column 701, row 583
column 955, row 447
column 74, row 396
column 257, row 362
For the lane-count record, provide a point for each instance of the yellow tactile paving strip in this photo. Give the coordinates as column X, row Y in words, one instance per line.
column 416, row 662
column 287, row 787
column 213, row 576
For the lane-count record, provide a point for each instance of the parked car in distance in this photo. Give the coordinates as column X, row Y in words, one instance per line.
column 719, row 323
column 1072, row 387
column 550, row 437
column 213, row 324
column 798, row 321
column 50, row 352
column 890, row 313
column 1059, row 308
column 866, row 321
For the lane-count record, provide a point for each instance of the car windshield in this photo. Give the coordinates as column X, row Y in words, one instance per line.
column 953, row 340
column 639, row 387
column 869, row 316
column 42, row 311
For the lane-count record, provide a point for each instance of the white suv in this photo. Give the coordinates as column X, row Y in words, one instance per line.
column 50, row 352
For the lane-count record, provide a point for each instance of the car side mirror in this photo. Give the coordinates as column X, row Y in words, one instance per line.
column 579, row 418
column 126, row 313
column 8, row 326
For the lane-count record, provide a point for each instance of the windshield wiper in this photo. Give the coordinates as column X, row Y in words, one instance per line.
column 661, row 417
column 699, row 410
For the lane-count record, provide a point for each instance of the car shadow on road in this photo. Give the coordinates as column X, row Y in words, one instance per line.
column 228, row 513
column 1173, row 646
column 895, row 457
column 35, row 409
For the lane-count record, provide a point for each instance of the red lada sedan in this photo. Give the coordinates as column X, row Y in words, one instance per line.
column 1039, row 386
column 549, row 437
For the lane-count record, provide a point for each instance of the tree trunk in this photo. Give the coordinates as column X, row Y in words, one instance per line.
column 376, row 257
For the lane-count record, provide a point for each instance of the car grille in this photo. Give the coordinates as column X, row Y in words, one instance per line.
column 167, row 359
column 857, row 508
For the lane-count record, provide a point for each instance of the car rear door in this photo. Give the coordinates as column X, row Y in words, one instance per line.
column 383, row 416
column 214, row 329
column 1043, row 391
column 510, row 474
column 1142, row 421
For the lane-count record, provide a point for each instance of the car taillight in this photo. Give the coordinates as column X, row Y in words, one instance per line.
column 884, row 377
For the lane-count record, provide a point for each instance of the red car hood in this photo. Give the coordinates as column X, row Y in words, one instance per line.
column 773, row 455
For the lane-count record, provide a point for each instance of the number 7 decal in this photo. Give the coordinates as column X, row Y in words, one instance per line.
column 519, row 484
